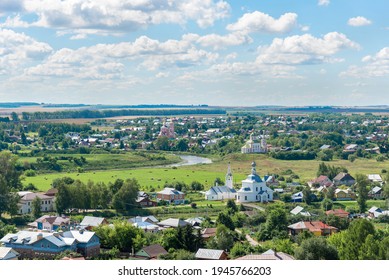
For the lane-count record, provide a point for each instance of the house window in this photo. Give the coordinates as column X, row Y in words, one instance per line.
column 256, row 189
column 245, row 198
column 28, row 203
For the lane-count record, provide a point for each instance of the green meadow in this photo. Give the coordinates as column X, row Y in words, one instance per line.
column 147, row 177
column 107, row 168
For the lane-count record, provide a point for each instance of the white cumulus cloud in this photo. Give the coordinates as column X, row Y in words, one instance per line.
column 359, row 21
column 261, row 22
column 17, row 49
column 375, row 66
column 123, row 15
column 304, row 49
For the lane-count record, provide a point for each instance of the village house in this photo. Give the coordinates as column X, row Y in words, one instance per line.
column 51, row 223
column 171, row 195
column 26, row 199
column 341, row 194
column 173, row 223
column 343, row 179
column 320, row 181
column 207, row 233
column 151, row 252
column 318, row 228
column 338, row 212
column 376, row 193
column 46, row 245
column 90, row 222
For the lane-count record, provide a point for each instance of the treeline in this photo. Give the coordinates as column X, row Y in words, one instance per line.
column 120, row 195
column 116, row 113
column 294, row 155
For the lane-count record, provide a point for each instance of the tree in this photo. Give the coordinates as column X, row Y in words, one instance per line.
column 353, row 243
column 14, row 117
column 36, row 207
column 196, row 186
column 182, row 145
column 362, row 183
column 224, row 239
column 124, row 199
column 9, row 182
column 225, row 219
column 316, row 248
column 307, row 195
column 162, row 143
column 5, row 229
column 218, row 182
column 231, row 206
column 122, row 235
column 63, row 197
column 327, row 204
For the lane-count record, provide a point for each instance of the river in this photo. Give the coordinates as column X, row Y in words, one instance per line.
column 190, row 160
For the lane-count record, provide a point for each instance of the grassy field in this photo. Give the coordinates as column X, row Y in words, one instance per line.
column 147, row 177
column 110, row 161
column 204, row 173
column 305, row 169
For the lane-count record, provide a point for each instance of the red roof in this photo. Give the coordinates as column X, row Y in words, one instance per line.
column 311, row 226
column 338, row 212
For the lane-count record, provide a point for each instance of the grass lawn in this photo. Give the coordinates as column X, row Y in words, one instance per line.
column 147, row 177
column 105, row 165
column 305, row 169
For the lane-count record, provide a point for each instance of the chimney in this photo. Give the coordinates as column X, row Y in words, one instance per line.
column 39, row 236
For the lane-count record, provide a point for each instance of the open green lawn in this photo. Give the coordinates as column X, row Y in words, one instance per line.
column 204, row 173
column 305, row 169
column 154, row 177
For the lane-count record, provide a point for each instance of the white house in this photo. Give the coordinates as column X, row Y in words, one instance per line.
column 26, row 198
column 254, row 189
column 222, row 192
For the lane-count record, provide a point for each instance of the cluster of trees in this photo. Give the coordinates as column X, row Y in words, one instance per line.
column 9, row 183
column 120, row 195
column 72, row 114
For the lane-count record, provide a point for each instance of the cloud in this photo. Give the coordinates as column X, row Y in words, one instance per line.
column 375, row 66
column 11, row 6
column 123, row 15
column 304, row 49
column 110, row 61
column 359, row 21
column 17, row 49
column 323, row 2
column 260, row 22
column 217, row 42
column 12, row 22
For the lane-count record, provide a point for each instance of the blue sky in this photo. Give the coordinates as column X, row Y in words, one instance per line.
column 216, row 52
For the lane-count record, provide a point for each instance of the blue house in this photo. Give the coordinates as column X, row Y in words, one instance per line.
column 51, row 223
column 46, row 245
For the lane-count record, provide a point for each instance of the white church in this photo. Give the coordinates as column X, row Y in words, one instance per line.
column 223, row 192
column 255, row 145
column 254, row 188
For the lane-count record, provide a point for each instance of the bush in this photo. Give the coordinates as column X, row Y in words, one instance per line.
column 30, row 173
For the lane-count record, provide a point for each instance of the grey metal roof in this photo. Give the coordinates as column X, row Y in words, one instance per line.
column 82, row 236
column 8, row 253
column 170, row 191
column 173, row 223
column 209, row 254
column 220, row 189
column 296, row 210
column 91, row 221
